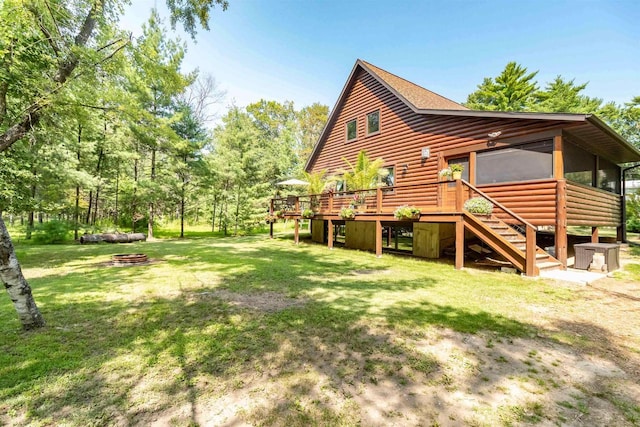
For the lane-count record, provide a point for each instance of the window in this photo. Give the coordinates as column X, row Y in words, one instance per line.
column 521, row 163
column 388, row 176
column 341, row 186
column 352, row 130
column 578, row 164
column 373, row 122
column 580, row 167
column 608, row 176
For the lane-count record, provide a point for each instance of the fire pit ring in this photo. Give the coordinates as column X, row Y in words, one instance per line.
column 129, row 259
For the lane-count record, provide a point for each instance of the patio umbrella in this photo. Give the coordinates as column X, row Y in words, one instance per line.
column 292, row 182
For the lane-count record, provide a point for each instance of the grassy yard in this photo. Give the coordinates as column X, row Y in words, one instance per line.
column 252, row 331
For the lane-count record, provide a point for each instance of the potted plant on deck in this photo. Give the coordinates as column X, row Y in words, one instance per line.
column 308, row 214
column 454, row 171
column 406, row 212
column 478, row 206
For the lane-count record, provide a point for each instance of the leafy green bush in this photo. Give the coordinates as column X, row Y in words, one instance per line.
column 633, row 225
column 52, row 232
column 307, row 213
column 478, row 205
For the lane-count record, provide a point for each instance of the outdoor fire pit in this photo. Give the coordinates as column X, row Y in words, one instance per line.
column 129, row 259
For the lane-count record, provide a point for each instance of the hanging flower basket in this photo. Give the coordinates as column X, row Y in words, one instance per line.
column 270, row 219
column 347, row 213
column 407, row 213
column 308, row 214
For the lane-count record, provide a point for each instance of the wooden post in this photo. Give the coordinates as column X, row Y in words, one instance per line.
column 330, row 234
column 621, row 230
column 459, row 196
column 459, row 244
column 530, row 254
column 558, row 159
column 389, row 236
column 594, row 235
column 296, row 230
column 472, row 168
column 561, row 222
column 271, row 230
column 378, row 238
column 441, row 187
column 379, row 200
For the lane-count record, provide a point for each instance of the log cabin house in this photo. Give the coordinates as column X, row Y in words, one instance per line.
column 541, row 171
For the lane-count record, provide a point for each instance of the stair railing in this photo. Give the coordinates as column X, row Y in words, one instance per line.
column 530, row 229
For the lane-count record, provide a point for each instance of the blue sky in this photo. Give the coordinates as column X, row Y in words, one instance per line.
column 303, row 51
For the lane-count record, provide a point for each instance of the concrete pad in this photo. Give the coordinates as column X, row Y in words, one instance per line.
column 582, row 277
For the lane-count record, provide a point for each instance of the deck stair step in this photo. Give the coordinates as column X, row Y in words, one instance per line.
column 517, row 240
column 549, row 265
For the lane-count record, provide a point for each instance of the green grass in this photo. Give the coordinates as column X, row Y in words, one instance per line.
column 210, row 317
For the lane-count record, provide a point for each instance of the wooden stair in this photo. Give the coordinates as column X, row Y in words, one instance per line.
column 508, row 242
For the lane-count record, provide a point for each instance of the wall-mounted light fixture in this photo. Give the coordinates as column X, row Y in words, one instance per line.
column 426, row 152
column 405, row 168
column 495, row 134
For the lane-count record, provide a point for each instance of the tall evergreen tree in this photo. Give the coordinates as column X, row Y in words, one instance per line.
column 512, row 90
column 562, row 96
column 156, row 81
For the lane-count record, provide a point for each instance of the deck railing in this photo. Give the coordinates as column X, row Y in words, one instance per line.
column 428, row 196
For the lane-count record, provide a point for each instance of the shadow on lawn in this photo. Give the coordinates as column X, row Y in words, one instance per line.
column 133, row 361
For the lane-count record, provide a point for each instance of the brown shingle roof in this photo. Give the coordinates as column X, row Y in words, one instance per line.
column 421, row 98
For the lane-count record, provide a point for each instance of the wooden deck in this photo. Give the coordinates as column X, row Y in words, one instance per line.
column 439, row 202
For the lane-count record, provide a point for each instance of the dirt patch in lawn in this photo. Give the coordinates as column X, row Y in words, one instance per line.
column 263, row 301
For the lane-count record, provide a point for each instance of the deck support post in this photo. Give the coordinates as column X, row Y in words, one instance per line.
column 594, row 235
column 530, row 254
column 621, row 230
column 460, row 243
column 561, row 223
column 330, row 234
column 378, row 238
column 271, row 223
column 296, row 231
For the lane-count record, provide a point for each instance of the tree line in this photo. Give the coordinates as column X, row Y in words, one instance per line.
column 126, row 144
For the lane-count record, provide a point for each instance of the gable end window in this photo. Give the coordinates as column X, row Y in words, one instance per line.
column 352, row 130
column 373, row 122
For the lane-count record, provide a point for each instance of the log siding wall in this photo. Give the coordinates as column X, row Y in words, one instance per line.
column 592, row 206
column 534, row 201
